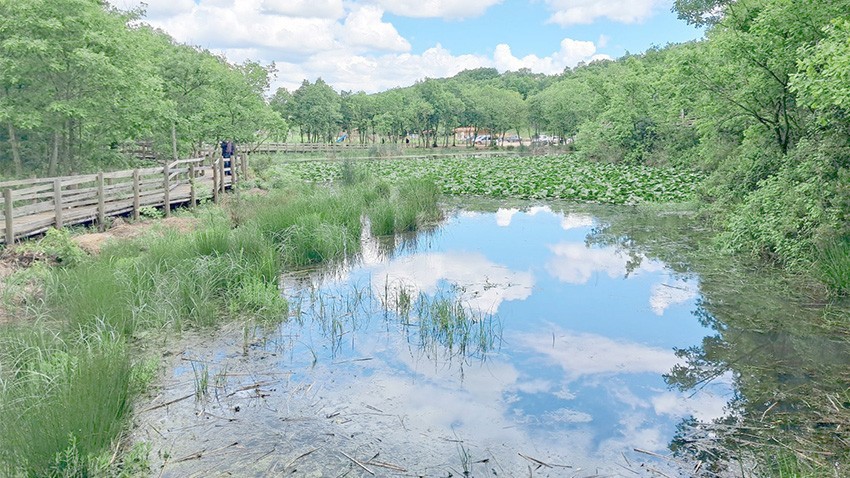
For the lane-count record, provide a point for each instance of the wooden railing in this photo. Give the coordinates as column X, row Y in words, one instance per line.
column 31, row 206
column 273, row 148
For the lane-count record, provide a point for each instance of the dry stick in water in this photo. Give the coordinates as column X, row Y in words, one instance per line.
column 172, row 402
column 300, row 457
column 541, row 463
column 361, row 465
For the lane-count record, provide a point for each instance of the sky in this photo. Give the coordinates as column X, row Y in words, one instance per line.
column 376, row 45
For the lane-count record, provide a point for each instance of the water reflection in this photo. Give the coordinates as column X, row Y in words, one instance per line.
column 579, row 339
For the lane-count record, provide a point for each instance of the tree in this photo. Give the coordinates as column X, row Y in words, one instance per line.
column 74, row 79
column 317, row 110
column 824, row 74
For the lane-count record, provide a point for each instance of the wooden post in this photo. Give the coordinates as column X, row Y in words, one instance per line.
column 10, row 213
column 101, row 204
column 216, row 179
column 136, row 194
column 192, row 185
column 234, row 170
column 57, row 201
column 166, row 200
column 221, row 176
column 245, row 166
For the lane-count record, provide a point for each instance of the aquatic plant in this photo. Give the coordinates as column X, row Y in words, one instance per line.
column 531, row 177
column 834, row 266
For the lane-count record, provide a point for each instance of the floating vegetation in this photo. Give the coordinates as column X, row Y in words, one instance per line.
column 525, row 177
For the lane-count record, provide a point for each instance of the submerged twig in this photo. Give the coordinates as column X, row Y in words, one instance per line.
column 361, row 465
column 300, row 457
column 172, row 402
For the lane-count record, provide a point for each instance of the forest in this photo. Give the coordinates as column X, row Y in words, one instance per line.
column 760, row 107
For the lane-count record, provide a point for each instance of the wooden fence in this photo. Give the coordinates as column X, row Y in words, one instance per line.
column 323, row 148
column 31, row 206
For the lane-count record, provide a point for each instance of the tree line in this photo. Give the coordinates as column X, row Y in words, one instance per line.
column 80, row 80
column 761, row 105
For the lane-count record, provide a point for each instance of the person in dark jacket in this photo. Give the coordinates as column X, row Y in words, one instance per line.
column 227, row 150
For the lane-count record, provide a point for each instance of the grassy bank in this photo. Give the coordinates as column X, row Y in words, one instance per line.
column 69, row 369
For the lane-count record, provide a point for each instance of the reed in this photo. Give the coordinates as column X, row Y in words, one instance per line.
column 834, row 266
column 65, row 404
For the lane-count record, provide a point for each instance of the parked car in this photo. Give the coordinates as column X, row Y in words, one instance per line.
column 541, row 139
column 513, row 139
column 482, row 138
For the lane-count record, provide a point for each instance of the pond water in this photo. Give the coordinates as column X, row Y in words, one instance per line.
column 499, row 344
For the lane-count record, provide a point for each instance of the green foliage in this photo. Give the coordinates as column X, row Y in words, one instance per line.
column 824, row 73
column 151, row 212
column 777, row 221
column 57, row 245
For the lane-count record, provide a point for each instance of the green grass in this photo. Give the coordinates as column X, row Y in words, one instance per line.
column 62, row 402
column 834, row 266
column 447, row 324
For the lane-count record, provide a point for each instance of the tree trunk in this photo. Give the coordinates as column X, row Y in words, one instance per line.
column 68, row 136
column 54, row 155
column 16, row 150
column 174, row 140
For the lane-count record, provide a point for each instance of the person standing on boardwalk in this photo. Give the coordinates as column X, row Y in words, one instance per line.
column 227, row 150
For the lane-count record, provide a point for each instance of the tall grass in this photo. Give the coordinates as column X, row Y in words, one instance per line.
column 834, row 265
column 62, row 401
column 414, row 204
column 447, row 324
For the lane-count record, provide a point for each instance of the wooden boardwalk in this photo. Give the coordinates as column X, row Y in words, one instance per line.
column 32, row 206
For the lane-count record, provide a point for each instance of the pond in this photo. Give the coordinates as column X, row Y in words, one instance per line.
column 514, row 341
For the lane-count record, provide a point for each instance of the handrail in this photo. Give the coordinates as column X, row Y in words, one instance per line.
column 31, row 206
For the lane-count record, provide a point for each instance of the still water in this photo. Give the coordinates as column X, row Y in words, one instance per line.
column 555, row 368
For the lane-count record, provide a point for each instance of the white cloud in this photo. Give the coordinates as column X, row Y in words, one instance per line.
column 572, row 52
column 346, row 43
column 304, row 8
column 571, row 12
column 377, row 73
column 704, row 407
column 576, row 221
column 505, row 216
column 583, row 354
column 575, row 263
column 485, row 284
column 448, row 9
column 363, row 28
column 664, row 295
column 566, row 415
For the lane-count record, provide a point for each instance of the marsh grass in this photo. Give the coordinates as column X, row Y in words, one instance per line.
column 447, row 324
column 410, row 207
column 834, row 266
column 62, row 401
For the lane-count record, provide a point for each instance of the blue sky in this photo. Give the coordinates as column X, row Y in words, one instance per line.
column 374, row 45
column 523, row 26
